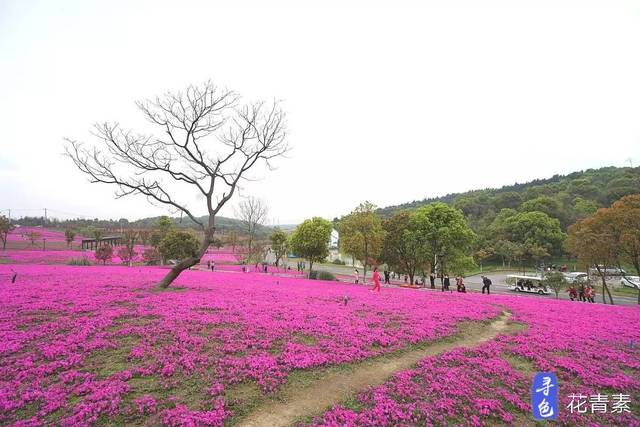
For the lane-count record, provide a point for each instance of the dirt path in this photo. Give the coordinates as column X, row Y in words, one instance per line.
column 295, row 401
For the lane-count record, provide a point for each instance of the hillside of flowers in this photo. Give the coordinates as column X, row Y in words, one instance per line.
column 87, row 345
column 593, row 349
column 21, row 234
column 27, row 256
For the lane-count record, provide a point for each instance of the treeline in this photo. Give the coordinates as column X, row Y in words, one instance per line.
column 224, row 225
column 566, row 198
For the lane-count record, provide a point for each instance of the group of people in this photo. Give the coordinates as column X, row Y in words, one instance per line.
column 445, row 283
column 376, row 278
column 211, row 265
column 301, row 266
column 583, row 293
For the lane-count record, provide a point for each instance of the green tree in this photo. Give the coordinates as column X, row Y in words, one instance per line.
column 583, row 208
column 448, row 237
column 94, row 232
column 535, row 230
column 160, row 230
column 69, row 235
column 508, row 251
column 556, row 281
column 279, row 244
column 404, row 246
column 178, row 245
column 593, row 241
column 361, row 234
column 625, row 215
column 545, row 204
column 507, row 200
column 104, row 253
column 622, row 186
column 5, row 228
column 310, row 240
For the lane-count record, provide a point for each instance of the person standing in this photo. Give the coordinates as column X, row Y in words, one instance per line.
column 581, row 293
column 386, row 277
column 486, row 284
column 213, row 265
column 589, row 293
column 446, row 282
column 356, row 276
column 376, row 280
column 432, row 280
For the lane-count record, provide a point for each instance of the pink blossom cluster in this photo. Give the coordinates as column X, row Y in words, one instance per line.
column 222, row 256
column 592, row 349
column 19, row 234
column 75, row 342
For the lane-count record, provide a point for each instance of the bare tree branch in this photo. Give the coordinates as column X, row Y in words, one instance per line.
column 208, row 141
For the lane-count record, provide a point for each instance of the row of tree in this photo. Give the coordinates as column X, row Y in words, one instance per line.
column 609, row 238
column 432, row 238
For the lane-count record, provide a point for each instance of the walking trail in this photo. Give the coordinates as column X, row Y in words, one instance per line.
column 295, row 401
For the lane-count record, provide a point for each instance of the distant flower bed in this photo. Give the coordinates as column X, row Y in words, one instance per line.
column 20, row 234
column 59, row 256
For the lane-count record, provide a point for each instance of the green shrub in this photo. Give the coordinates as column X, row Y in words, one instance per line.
column 321, row 275
column 325, row 275
column 78, row 261
column 338, row 262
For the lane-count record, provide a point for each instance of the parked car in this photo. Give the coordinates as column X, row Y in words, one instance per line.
column 611, row 271
column 630, row 281
column 576, row 277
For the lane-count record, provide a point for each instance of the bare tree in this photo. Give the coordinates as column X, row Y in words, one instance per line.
column 252, row 212
column 209, row 141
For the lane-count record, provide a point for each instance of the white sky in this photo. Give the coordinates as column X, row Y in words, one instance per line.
column 387, row 101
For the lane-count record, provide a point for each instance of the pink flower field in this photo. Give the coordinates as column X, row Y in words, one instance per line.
column 26, row 256
column 99, row 345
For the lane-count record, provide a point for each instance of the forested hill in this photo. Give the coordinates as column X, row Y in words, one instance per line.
column 565, row 197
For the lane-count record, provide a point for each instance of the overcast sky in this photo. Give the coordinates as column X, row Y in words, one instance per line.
column 387, row 101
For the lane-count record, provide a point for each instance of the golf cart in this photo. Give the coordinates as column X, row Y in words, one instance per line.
column 527, row 284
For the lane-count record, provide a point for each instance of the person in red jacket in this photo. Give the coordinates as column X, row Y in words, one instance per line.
column 376, row 280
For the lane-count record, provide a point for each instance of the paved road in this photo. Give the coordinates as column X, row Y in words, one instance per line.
column 474, row 283
column 500, row 287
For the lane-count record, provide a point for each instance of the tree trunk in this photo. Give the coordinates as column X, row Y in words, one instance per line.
column 605, row 288
column 188, row 262
column 609, row 293
column 310, row 267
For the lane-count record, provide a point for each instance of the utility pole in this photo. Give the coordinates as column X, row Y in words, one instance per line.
column 45, row 217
